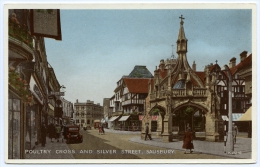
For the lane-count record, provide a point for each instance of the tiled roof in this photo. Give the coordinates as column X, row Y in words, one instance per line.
column 140, row 72
column 137, row 85
column 180, row 84
column 201, row 75
column 246, row 62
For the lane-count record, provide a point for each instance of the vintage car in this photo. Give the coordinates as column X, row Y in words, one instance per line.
column 71, row 134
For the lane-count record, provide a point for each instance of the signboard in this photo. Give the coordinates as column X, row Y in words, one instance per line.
column 35, row 90
column 46, row 23
column 57, row 93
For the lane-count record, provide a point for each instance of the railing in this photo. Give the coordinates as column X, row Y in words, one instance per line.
column 199, row 92
column 133, row 101
column 179, row 92
column 128, row 128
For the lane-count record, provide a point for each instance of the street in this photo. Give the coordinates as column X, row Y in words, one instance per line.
column 118, row 146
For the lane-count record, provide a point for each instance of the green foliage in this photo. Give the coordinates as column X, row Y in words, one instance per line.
column 189, row 111
column 20, row 32
column 156, row 111
column 20, row 85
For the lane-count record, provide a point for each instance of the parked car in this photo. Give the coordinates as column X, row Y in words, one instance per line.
column 71, row 134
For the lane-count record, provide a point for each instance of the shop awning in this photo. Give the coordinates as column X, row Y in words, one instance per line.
column 235, row 117
column 247, row 116
column 113, row 118
column 124, row 118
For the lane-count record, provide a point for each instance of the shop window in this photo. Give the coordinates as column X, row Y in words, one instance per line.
column 14, row 128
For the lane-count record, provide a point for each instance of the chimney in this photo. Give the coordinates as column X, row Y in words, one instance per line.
column 243, row 55
column 162, row 65
column 77, row 101
column 232, row 62
column 194, row 66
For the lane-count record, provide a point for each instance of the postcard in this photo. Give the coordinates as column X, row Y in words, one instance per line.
column 165, row 83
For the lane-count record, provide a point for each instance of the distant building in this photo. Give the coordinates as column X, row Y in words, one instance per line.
column 128, row 101
column 86, row 113
column 67, row 108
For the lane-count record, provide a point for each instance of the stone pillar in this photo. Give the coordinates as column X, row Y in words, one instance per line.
column 167, row 130
column 211, row 128
column 159, row 126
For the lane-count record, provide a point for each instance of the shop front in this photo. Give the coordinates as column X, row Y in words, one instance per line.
column 14, row 122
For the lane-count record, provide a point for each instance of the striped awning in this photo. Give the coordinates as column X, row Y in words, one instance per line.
column 235, row 117
column 247, row 116
column 113, row 118
column 124, row 118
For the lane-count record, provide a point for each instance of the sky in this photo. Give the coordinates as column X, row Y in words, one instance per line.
column 98, row 46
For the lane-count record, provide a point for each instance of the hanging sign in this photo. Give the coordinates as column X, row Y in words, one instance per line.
column 46, row 23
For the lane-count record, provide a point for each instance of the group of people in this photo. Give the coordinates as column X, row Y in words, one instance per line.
column 188, row 137
column 53, row 131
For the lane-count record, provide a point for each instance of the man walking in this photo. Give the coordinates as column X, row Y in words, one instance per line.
column 147, row 132
column 234, row 132
column 43, row 134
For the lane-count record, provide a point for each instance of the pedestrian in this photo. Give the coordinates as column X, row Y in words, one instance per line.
column 133, row 127
column 99, row 129
column 102, row 127
column 58, row 130
column 52, row 131
column 188, row 141
column 147, row 132
column 234, row 132
column 43, row 134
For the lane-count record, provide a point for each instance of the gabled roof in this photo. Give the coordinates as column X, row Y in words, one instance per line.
column 140, row 72
column 201, row 75
column 246, row 62
column 137, row 85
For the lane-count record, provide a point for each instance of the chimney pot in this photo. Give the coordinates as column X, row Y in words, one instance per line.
column 243, row 55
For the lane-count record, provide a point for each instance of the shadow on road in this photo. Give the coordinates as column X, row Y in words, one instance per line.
column 94, row 147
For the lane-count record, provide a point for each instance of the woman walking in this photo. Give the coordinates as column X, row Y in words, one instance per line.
column 188, row 141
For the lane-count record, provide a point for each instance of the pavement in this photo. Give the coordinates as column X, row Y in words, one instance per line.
column 242, row 148
column 51, row 150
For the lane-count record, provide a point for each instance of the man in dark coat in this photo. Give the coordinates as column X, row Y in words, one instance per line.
column 147, row 132
column 43, row 134
column 188, row 141
column 52, row 131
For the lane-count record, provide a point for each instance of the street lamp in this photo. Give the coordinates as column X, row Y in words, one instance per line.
column 230, row 141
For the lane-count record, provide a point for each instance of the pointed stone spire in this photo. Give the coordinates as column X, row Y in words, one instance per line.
column 181, row 30
column 182, row 40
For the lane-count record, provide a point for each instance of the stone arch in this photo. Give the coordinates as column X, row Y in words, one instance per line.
column 158, row 125
column 195, row 122
column 161, row 108
column 191, row 104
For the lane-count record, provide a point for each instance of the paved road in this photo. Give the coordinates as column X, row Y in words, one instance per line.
column 117, row 146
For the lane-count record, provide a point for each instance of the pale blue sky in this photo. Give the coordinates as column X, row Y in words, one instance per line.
column 98, row 47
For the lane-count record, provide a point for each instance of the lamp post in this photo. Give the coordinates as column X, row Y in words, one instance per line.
column 230, row 141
